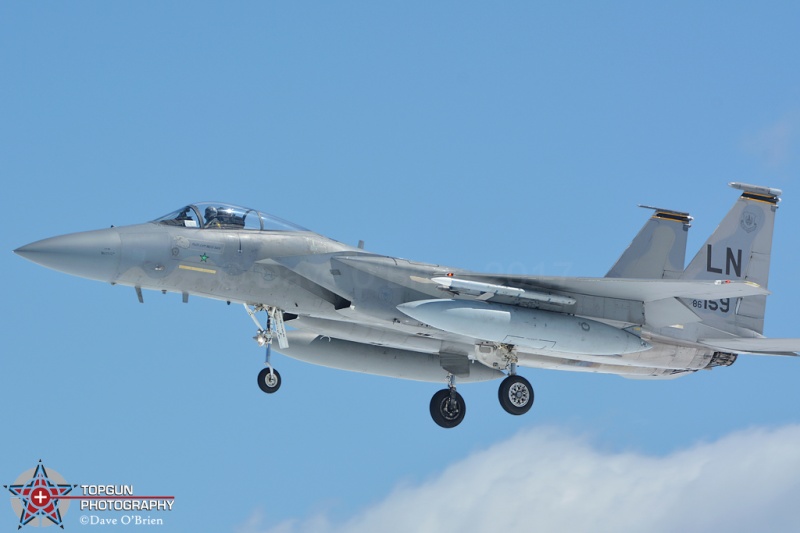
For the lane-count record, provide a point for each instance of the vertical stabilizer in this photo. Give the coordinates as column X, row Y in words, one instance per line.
column 659, row 249
column 739, row 248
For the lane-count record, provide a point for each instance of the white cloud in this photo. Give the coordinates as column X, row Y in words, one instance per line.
column 548, row 480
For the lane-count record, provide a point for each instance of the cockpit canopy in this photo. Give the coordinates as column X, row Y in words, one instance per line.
column 218, row 215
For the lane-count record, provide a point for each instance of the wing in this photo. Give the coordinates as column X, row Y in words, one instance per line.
column 652, row 302
column 640, row 290
column 377, row 284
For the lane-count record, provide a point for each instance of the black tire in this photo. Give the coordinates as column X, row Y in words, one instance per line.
column 516, row 395
column 446, row 411
column 266, row 384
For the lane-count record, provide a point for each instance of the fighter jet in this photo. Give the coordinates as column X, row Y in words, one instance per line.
column 340, row 306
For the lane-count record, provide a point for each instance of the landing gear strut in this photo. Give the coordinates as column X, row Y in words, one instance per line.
column 269, row 380
column 447, row 405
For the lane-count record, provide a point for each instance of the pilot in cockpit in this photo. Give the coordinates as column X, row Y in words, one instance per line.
column 211, row 218
column 223, row 217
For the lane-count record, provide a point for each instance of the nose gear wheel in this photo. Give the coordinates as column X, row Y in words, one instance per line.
column 269, row 380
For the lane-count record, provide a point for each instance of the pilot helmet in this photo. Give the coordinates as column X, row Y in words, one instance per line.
column 211, row 212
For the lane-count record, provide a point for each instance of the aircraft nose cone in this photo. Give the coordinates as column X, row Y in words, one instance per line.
column 91, row 254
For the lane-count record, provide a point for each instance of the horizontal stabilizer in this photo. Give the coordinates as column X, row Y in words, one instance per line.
column 759, row 345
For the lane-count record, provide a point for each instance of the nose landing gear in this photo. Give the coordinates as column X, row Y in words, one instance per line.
column 269, row 380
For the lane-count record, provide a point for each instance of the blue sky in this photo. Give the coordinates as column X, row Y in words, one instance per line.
column 508, row 138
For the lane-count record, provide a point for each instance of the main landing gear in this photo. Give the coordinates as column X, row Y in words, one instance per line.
column 447, row 405
column 515, row 394
column 269, row 380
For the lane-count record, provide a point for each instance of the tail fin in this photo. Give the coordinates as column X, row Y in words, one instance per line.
column 659, row 249
column 739, row 248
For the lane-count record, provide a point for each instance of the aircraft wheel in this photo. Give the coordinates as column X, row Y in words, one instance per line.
column 516, row 395
column 446, row 411
column 269, row 382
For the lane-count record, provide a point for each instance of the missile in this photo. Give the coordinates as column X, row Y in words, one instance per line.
column 380, row 360
column 487, row 290
column 545, row 332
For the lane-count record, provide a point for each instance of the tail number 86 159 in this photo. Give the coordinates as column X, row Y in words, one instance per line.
column 722, row 306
